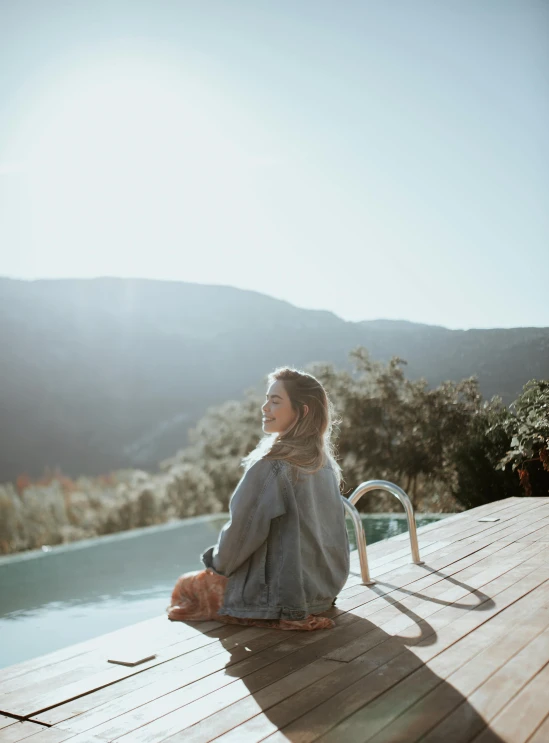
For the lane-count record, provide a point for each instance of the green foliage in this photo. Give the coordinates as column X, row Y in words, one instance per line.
column 219, row 442
column 191, row 491
column 396, row 429
column 527, row 426
column 391, row 428
column 476, row 459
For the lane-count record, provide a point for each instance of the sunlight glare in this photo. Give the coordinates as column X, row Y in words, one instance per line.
column 123, row 149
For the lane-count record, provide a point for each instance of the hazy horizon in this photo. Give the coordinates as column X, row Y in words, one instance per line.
column 375, row 161
column 372, row 319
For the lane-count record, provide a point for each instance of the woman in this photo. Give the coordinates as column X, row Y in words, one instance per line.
column 284, row 555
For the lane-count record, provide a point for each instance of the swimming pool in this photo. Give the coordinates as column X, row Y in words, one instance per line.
column 57, row 597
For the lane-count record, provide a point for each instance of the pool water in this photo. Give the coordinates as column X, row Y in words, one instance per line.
column 62, row 595
column 387, row 525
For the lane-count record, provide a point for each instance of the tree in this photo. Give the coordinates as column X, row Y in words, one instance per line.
column 219, row 441
column 479, row 480
column 396, row 429
column 527, row 426
column 388, row 427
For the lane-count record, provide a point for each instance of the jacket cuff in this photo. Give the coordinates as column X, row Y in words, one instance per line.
column 207, row 559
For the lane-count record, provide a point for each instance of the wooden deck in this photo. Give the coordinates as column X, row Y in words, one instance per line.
column 454, row 650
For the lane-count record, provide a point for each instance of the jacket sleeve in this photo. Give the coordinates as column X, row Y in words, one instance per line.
column 257, row 499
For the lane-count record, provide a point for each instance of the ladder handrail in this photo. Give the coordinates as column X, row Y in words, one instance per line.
column 360, row 541
column 349, row 504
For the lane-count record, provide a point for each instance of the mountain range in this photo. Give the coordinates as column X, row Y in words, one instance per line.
column 109, row 373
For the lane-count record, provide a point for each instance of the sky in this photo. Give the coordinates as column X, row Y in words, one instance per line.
column 374, row 159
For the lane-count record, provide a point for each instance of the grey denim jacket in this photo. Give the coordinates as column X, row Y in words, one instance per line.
column 285, row 549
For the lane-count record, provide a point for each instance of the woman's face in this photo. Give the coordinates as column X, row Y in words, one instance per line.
column 278, row 414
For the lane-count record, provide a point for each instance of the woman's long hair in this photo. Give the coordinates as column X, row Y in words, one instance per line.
column 307, row 444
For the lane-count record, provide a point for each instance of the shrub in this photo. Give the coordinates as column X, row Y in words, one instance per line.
column 527, row 427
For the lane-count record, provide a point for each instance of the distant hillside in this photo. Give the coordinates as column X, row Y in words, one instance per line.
column 107, row 373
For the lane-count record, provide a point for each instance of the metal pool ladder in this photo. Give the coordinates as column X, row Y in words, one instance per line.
column 349, row 504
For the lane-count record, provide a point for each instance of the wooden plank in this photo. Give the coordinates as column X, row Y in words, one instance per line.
column 19, row 731
column 454, row 686
column 187, row 731
column 470, row 545
column 23, row 701
column 464, row 528
column 172, row 682
column 517, row 510
column 56, row 719
column 464, row 542
column 523, row 715
column 541, row 735
column 509, row 528
column 52, row 735
column 503, row 669
column 515, row 517
column 410, row 690
column 509, row 525
column 157, row 674
column 5, row 721
column 461, row 521
column 278, row 644
column 421, row 577
column 51, row 671
column 80, row 721
column 203, row 669
column 418, row 578
column 542, row 527
column 495, row 693
column 198, row 690
column 526, row 523
column 81, row 705
column 79, row 649
column 379, row 710
column 138, row 680
column 435, row 602
column 522, row 526
column 246, row 665
column 350, row 701
column 388, row 560
column 137, row 633
column 74, row 669
column 409, row 574
column 182, row 717
column 457, row 522
column 540, row 534
column 454, row 528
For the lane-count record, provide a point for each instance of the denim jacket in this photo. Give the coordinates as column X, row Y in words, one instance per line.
column 285, row 549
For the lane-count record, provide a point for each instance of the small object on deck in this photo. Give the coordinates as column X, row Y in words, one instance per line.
column 490, row 518
column 131, row 660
